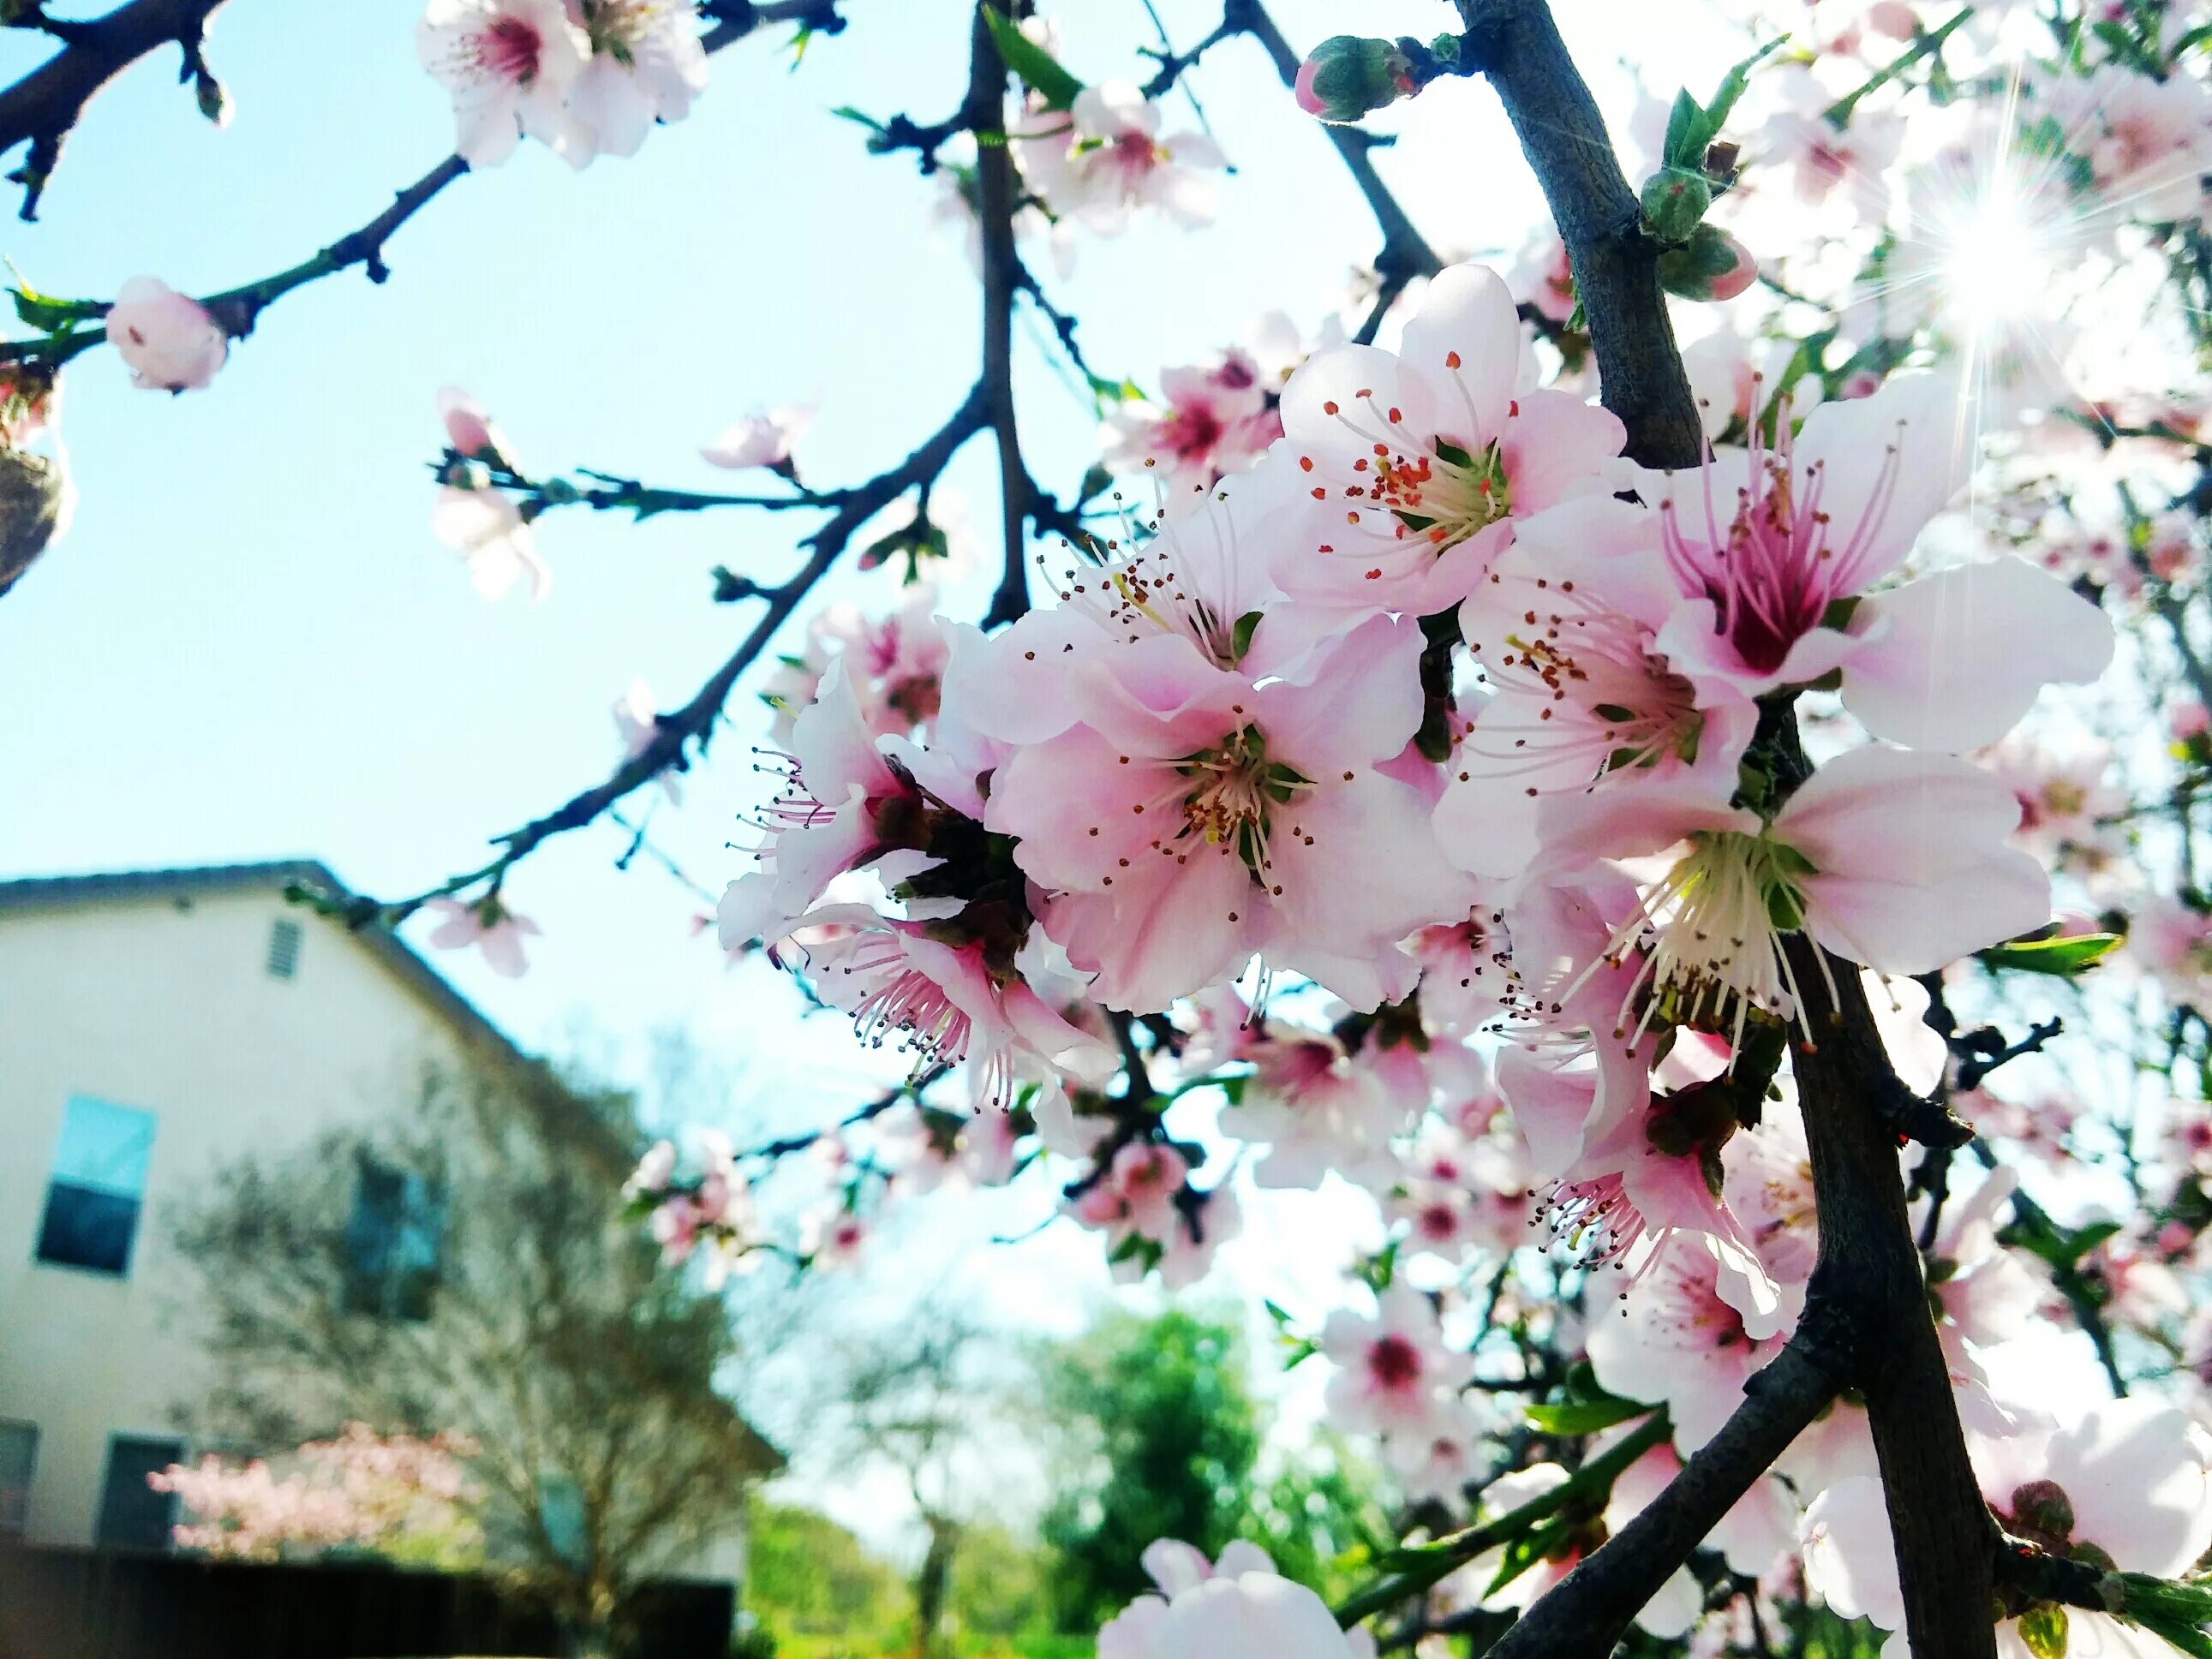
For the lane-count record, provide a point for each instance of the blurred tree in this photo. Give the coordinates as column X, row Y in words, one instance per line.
column 807, row 1576
column 1160, row 1439
column 1164, row 1440
column 465, row 1267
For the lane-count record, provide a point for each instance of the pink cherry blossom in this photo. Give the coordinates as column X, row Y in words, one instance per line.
column 1206, row 423
column 637, row 725
column 468, row 430
column 1105, row 159
column 1854, row 858
column 1404, row 473
column 487, row 924
column 169, row 341
column 510, row 65
column 1195, row 818
column 646, row 65
column 1253, row 1614
column 486, row 528
column 1761, row 549
column 1674, row 1340
column 1394, row 1372
column 762, row 439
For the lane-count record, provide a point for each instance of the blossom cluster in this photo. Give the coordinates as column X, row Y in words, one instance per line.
column 360, row 1490
column 583, row 77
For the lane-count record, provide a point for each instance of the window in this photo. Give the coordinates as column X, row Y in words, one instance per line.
column 391, row 1241
column 132, row 1515
column 283, row 949
column 19, row 1457
column 98, row 1188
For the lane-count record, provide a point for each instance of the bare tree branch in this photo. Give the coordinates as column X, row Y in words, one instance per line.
column 45, row 106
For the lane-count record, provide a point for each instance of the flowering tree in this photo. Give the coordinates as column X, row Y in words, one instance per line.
column 1618, row 834
column 392, row 1495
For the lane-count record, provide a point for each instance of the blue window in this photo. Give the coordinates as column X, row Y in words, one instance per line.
column 97, row 1186
column 19, row 1461
column 391, row 1241
column 132, row 1515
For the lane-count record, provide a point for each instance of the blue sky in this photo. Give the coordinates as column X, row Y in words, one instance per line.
column 249, row 646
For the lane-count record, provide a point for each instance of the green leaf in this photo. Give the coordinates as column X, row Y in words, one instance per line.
column 1038, row 70
column 1686, row 133
column 858, row 118
column 2064, row 956
column 1583, row 1416
column 1240, row 637
column 1732, row 86
column 2043, row 1627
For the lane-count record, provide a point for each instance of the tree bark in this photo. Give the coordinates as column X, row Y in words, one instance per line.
column 1867, row 1322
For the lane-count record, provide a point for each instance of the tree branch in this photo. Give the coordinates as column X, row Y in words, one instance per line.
column 239, row 308
column 1405, row 252
column 669, row 747
column 45, row 106
column 1518, row 47
column 998, row 194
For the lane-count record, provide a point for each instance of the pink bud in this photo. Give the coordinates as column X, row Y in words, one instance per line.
column 1741, row 275
column 468, row 428
column 169, row 340
column 2188, row 721
column 1303, row 89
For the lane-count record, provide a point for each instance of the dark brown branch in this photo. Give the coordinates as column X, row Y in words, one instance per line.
column 1518, row 47
column 1591, row 1609
column 1867, row 1322
column 998, row 195
column 45, row 106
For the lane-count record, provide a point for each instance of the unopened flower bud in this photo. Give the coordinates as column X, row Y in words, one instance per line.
column 1347, row 76
column 2042, row 1510
column 213, row 97
column 1711, row 265
column 1674, row 203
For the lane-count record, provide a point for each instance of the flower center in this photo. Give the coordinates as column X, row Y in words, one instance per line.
column 508, row 49
column 1393, row 1363
column 1773, row 572
column 1236, row 789
column 1716, row 924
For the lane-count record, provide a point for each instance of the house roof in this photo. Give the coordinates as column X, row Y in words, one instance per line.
column 122, row 886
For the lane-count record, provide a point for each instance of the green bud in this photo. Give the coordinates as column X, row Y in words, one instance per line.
column 2042, row 1510
column 1347, row 76
column 1674, row 203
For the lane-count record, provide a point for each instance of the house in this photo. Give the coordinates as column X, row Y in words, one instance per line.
column 155, row 1025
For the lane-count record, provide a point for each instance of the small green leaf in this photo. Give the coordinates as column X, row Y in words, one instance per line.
column 2064, row 956
column 1583, row 1416
column 2043, row 1627
column 846, row 112
column 1240, row 637
column 1686, row 130
column 1037, row 69
column 1732, row 86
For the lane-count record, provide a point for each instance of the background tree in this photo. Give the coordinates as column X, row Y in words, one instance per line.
column 466, row 1268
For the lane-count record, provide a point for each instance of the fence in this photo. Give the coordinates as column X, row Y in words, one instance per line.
column 90, row 1604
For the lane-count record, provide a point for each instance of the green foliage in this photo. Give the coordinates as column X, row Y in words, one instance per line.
column 1164, row 1408
column 808, row 1575
column 1323, row 1520
column 998, row 1585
